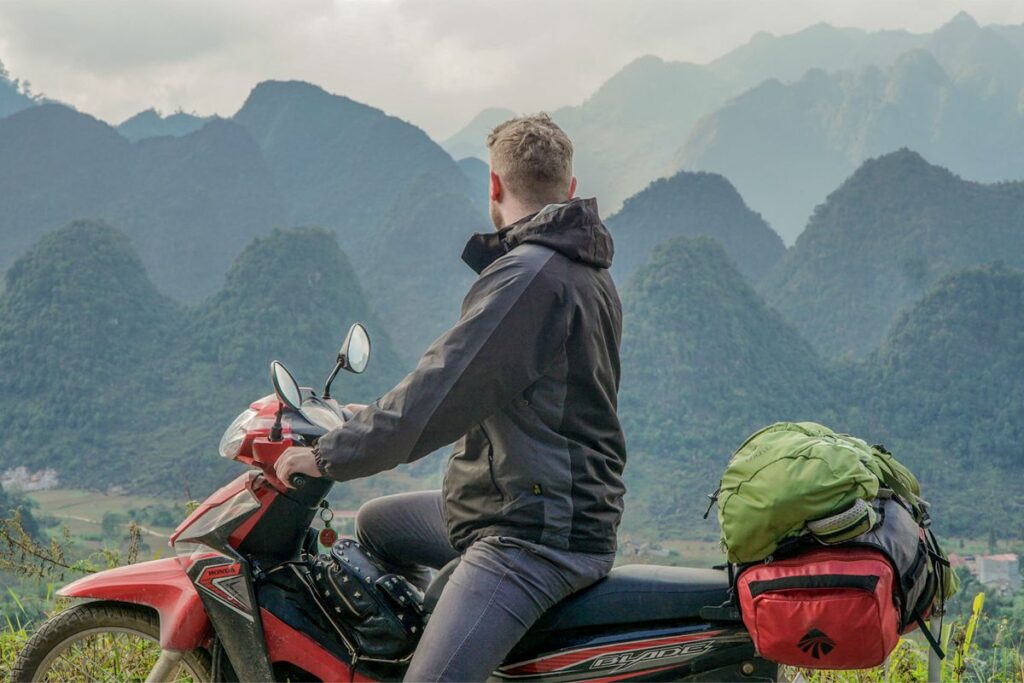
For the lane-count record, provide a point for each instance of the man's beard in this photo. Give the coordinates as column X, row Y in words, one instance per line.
column 496, row 218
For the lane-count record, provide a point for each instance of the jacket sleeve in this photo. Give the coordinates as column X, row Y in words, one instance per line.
column 514, row 323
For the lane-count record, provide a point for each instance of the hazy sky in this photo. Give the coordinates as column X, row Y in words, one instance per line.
column 433, row 62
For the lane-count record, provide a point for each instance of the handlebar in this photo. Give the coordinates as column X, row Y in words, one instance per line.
column 298, row 480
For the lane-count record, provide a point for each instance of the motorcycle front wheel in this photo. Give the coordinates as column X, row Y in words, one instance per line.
column 102, row 641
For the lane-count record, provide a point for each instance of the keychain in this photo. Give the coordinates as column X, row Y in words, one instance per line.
column 327, row 535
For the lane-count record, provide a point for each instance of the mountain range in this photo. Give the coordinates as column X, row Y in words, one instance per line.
column 706, row 362
column 292, row 155
column 879, row 241
column 152, row 124
column 786, row 118
column 188, row 203
column 786, row 145
column 150, row 279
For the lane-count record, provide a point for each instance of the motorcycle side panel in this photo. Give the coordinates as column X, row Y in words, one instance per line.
column 684, row 653
column 288, row 645
column 160, row 584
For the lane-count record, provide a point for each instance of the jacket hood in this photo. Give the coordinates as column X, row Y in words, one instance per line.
column 573, row 229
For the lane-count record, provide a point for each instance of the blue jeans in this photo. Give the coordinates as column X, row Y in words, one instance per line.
column 497, row 592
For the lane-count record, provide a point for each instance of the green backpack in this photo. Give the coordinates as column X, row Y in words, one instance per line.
column 792, row 475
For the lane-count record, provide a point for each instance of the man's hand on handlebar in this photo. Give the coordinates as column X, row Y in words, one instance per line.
column 296, row 461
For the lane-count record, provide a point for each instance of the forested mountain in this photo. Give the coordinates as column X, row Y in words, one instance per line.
column 704, row 363
column 119, row 385
column 188, row 203
column 85, row 343
column 786, row 145
column 693, row 205
column 151, row 124
column 399, row 204
column 889, row 232
column 298, row 312
column 944, row 391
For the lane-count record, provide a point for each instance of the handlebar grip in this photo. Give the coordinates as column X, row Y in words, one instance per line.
column 297, row 480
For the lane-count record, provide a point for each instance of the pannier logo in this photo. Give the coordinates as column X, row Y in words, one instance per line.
column 816, row 644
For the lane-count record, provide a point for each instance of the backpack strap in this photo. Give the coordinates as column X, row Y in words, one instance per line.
column 929, row 636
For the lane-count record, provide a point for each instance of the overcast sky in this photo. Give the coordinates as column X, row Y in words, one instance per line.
column 433, row 62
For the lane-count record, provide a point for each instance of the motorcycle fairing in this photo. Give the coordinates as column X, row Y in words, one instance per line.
column 225, row 588
column 159, row 584
column 291, row 646
column 651, row 655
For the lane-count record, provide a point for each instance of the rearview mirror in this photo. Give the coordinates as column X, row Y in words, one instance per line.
column 285, row 386
column 354, row 355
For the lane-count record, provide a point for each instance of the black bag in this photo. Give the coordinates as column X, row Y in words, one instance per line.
column 380, row 611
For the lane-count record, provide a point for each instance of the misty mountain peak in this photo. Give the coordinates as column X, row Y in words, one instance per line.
column 962, row 21
column 151, row 123
column 268, row 93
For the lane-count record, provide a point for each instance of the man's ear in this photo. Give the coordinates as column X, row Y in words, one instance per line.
column 496, row 188
column 572, row 188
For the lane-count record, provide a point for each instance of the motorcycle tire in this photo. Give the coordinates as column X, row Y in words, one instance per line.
column 84, row 621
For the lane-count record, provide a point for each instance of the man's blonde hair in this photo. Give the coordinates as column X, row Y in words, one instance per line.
column 533, row 158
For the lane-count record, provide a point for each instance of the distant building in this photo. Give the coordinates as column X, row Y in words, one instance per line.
column 1002, row 571
column 22, row 479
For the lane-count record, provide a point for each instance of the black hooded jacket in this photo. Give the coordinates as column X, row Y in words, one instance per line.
column 526, row 381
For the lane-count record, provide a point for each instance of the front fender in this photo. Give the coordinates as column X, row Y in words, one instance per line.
column 160, row 584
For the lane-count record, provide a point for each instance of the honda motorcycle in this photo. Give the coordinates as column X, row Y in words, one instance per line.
column 245, row 599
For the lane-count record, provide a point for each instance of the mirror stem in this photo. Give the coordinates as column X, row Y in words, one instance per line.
column 275, row 431
column 334, row 373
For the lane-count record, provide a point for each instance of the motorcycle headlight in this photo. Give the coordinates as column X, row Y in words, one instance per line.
column 233, row 437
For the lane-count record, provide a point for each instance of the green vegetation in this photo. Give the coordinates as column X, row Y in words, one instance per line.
column 889, row 233
column 944, row 391
column 705, row 363
column 692, row 205
column 120, row 386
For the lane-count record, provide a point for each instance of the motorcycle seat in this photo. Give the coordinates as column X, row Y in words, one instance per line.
column 632, row 593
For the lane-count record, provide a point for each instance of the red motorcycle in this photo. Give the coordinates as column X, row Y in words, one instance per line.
column 245, row 598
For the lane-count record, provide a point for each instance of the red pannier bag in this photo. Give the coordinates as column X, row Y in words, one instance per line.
column 830, row 608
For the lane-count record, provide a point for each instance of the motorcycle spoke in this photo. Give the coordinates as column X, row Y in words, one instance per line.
column 107, row 656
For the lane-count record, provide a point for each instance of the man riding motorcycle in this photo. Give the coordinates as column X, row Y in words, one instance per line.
column 526, row 381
